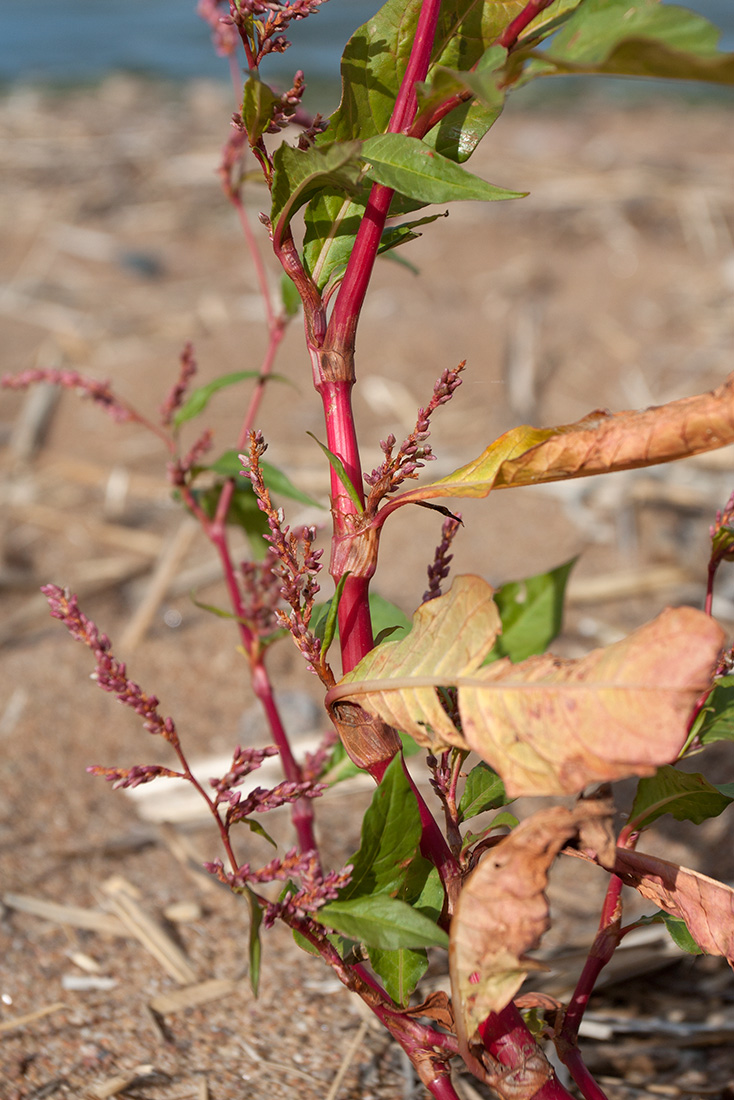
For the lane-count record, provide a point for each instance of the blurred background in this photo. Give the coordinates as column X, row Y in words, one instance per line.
column 611, row 285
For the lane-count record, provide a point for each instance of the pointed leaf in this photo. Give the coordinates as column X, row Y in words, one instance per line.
column 706, row 906
column 338, row 467
column 502, row 912
column 686, row 796
column 254, row 946
column 388, row 858
column 401, row 970
column 385, row 616
column 258, row 101
column 229, row 464
column 411, row 167
column 484, row 790
column 330, row 623
column 531, row 613
column 199, row 398
column 681, row 937
column 299, row 173
column 599, row 443
column 382, row 921
column 376, row 56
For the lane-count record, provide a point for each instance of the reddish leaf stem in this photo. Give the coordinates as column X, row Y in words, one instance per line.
column 513, row 30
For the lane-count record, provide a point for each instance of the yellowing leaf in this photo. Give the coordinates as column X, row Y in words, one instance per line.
column 599, row 443
column 547, row 726
column 477, row 478
column 470, row 619
column 551, row 726
column 502, row 912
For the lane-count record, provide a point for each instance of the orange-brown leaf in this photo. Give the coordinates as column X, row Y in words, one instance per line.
column 502, row 912
column 706, row 906
column 599, row 443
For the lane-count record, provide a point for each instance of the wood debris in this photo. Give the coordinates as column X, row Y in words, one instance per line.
column 148, row 931
column 115, row 1085
column 75, row 916
column 30, row 1017
column 215, row 989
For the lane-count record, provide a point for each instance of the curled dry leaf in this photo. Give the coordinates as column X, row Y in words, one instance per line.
column 547, row 726
column 502, row 912
column 600, row 443
column 706, row 906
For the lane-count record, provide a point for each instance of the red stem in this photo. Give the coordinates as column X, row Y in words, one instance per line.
column 343, row 324
column 513, row 30
column 509, row 1041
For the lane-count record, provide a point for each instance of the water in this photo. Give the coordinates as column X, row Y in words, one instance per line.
column 81, row 41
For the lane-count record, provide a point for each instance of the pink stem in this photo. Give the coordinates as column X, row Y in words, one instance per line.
column 713, row 566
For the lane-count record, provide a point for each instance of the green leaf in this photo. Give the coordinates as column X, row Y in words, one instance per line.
column 289, row 296
column 686, row 796
column 382, row 921
column 258, row 101
column 402, row 969
column 298, row 174
column 385, row 617
column 680, row 935
column 399, row 970
column 639, row 38
column 415, row 169
column 376, row 56
column 484, row 790
column 256, row 827
column 331, row 222
column 331, row 618
column 199, row 398
column 388, row 860
column 531, row 613
column 338, row 467
column 254, row 946
column 229, row 465
column 717, row 715
column 304, row 944
column 504, row 819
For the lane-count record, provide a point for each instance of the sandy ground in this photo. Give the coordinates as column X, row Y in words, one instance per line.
column 610, row 286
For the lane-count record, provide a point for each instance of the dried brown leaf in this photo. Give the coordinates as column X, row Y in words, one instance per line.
column 502, row 912
column 597, row 444
column 706, row 906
